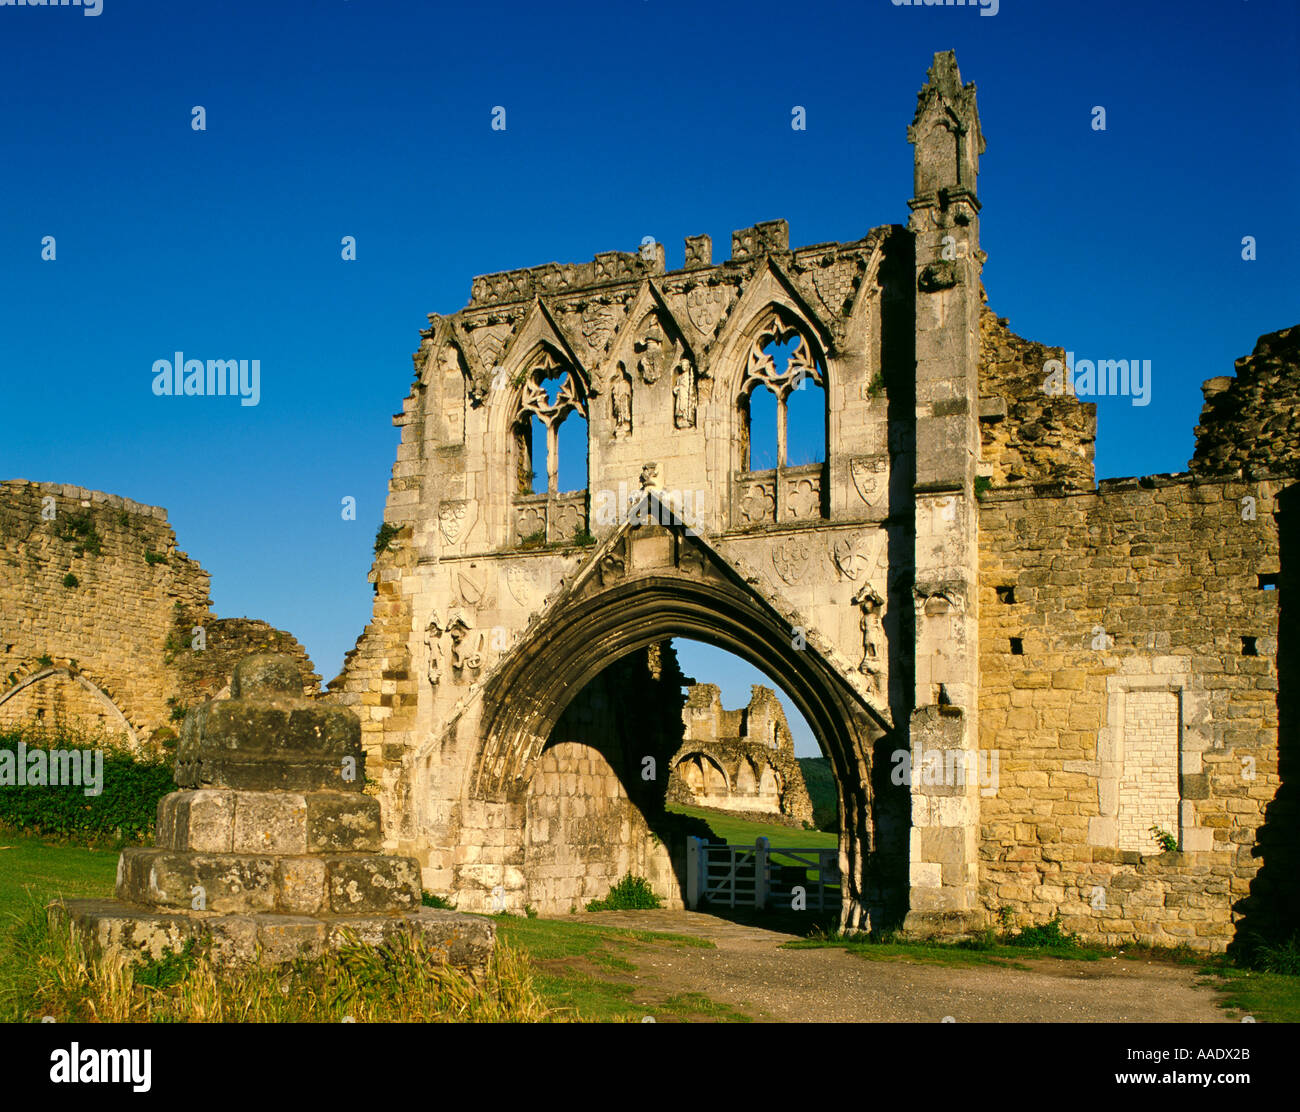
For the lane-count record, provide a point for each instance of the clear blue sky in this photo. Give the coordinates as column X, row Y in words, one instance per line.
column 625, row 118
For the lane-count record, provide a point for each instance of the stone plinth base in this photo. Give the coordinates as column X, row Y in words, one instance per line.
column 140, row 933
column 949, row 925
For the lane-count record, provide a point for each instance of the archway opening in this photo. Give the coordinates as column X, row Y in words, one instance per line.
column 653, row 585
column 780, row 771
column 649, row 764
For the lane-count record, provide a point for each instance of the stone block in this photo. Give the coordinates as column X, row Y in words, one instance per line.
column 343, row 822
column 301, row 884
column 202, row 821
column 364, row 883
column 270, row 822
column 225, row 882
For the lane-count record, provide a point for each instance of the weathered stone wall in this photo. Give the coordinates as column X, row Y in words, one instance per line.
column 742, row 760
column 115, row 622
column 1129, row 696
column 114, row 650
column 206, row 675
column 594, row 809
column 1027, row 434
column 1252, row 422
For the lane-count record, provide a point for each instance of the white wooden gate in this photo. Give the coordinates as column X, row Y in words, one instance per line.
column 761, row 876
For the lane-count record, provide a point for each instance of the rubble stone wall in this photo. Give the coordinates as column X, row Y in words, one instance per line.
column 1129, row 678
column 1252, row 421
column 1027, row 434
column 98, row 608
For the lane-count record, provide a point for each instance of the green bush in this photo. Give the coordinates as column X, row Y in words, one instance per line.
column 80, row 527
column 1049, row 936
column 631, row 893
column 385, row 535
column 71, row 581
column 125, row 809
column 428, row 899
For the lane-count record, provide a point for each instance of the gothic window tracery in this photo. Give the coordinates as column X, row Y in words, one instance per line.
column 800, row 371
column 551, row 393
column 780, row 461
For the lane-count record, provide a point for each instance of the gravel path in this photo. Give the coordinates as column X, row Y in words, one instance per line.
column 751, row 972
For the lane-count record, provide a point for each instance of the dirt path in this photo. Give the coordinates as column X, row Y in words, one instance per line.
column 751, row 972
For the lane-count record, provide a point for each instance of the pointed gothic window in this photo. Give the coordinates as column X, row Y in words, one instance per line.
column 781, row 439
column 550, row 453
column 780, row 364
column 552, row 394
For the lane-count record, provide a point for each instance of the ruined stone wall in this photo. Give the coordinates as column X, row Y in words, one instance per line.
column 1129, row 676
column 1028, row 435
column 584, row 832
column 1252, row 421
column 98, row 608
column 206, row 675
column 114, row 623
column 741, row 761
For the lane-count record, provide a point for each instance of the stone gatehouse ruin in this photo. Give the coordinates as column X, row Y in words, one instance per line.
column 738, row 760
column 948, row 585
column 1040, row 694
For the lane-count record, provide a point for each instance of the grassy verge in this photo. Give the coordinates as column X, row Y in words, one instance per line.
column 1265, row 997
column 988, row 949
column 544, row 970
column 735, row 831
column 589, row 973
column 400, row 982
column 34, row 871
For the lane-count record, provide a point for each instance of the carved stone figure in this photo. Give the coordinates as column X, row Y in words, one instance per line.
column 620, row 398
column 466, row 649
column 651, row 350
column 433, row 643
column 684, row 396
column 874, row 649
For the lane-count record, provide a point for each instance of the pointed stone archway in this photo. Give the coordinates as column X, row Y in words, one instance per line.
column 71, row 696
column 649, row 582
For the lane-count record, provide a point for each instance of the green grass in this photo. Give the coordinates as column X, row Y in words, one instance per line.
column 33, row 872
column 589, row 972
column 736, row 831
column 823, row 793
column 987, row 949
column 1266, row 997
column 34, row 869
column 579, row 971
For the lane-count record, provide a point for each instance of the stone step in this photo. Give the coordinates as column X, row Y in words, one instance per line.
column 466, row 941
column 308, row 884
column 227, row 821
